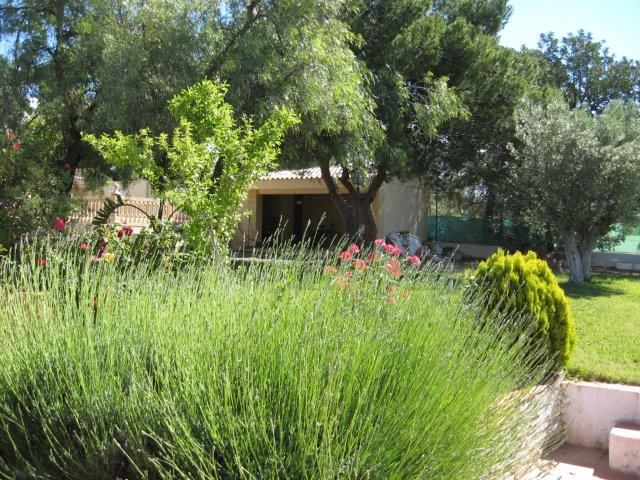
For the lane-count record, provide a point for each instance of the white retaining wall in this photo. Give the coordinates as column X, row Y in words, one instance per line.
column 593, row 409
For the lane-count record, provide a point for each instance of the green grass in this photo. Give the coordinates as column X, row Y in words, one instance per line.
column 607, row 316
column 268, row 371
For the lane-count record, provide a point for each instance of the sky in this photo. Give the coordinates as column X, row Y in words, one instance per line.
column 616, row 21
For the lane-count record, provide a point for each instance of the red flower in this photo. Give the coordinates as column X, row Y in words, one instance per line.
column 16, row 146
column 84, row 246
column 392, row 250
column 346, row 256
column 42, row 262
column 102, row 249
column 414, row 260
column 59, row 223
column 359, row 264
column 394, row 268
column 125, row 231
column 354, row 249
column 379, row 242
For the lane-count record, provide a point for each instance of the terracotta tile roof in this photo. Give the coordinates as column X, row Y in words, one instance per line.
column 301, row 174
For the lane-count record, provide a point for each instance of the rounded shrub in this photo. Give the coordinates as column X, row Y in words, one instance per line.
column 524, row 284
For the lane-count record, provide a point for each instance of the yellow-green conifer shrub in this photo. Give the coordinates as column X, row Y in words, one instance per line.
column 522, row 283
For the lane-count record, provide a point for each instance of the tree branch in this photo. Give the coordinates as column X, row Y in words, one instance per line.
column 252, row 18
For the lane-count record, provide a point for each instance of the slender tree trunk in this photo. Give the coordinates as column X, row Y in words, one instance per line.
column 347, row 212
column 369, row 221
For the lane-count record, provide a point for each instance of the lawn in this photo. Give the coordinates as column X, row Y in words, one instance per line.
column 607, row 314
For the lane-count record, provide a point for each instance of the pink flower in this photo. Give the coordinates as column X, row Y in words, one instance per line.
column 346, row 255
column 10, row 134
column 42, row 262
column 392, row 250
column 359, row 264
column 379, row 242
column 354, row 249
column 84, row 246
column 371, row 256
column 414, row 260
column 394, row 268
column 59, row 223
column 329, row 270
column 16, row 146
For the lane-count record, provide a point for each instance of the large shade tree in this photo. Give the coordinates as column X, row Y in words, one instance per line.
column 587, row 72
column 579, row 174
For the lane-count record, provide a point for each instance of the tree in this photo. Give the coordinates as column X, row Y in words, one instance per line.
column 444, row 92
column 579, row 173
column 587, row 73
column 206, row 167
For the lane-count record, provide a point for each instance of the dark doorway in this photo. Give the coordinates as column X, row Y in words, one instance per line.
column 298, row 218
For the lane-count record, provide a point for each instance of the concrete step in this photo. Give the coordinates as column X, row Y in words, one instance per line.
column 624, row 448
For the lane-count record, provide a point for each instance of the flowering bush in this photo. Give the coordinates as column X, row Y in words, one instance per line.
column 383, row 263
column 159, row 245
column 32, row 189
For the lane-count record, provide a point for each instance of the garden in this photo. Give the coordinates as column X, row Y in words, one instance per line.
column 345, row 364
column 159, row 353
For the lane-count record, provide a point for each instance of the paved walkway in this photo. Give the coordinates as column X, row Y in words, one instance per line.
column 577, row 463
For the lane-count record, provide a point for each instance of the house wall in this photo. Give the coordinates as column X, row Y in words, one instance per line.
column 402, row 207
column 136, row 189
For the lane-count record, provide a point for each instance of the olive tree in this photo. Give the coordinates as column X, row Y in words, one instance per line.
column 578, row 173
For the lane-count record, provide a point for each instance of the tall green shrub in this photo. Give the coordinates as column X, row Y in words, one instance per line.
column 523, row 283
column 273, row 370
column 207, row 165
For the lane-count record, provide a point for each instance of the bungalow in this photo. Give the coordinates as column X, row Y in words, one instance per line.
column 289, row 202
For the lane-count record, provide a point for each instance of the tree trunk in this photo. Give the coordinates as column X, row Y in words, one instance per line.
column 574, row 262
column 347, row 212
column 369, row 221
column 348, row 209
column 578, row 252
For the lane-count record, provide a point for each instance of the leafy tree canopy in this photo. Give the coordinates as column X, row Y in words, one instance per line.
column 579, row 174
column 207, row 165
column 588, row 74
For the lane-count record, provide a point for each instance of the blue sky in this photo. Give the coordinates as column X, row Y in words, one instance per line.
column 616, row 21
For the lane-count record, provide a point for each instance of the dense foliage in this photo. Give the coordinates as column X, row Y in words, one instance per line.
column 578, row 173
column 272, row 370
column 31, row 191
column 587, row 73
column 524, row 284
column 206, row 167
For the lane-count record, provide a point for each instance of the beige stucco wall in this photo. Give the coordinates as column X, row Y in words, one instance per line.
column 136, row 189
column 402, row 207
column 397, row 207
